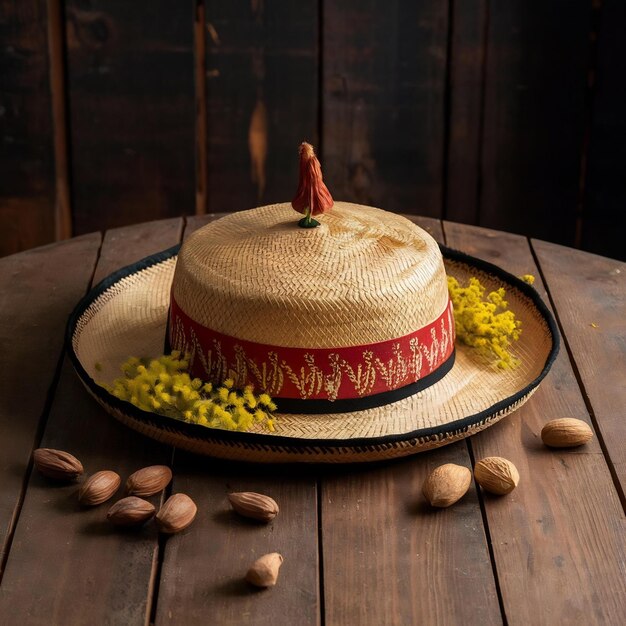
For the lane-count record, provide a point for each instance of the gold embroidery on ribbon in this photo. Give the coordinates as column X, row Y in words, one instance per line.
column 310, row 379
column 269, row 376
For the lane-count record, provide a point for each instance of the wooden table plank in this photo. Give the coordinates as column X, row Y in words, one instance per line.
column 229, row 544
column 391, row 559
column 558, row 539
column 34, row 306
column 123, row 246
column 68, row 565
column 204, row 567
column 194, row 222
column 586, row 290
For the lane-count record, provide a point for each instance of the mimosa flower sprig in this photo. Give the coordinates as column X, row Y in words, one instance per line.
column 312, row 196
column 163, row 386
column 484, row 323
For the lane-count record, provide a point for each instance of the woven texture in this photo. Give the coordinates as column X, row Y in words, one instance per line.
column 269, row 453
column 363, row 276
column 130, row 317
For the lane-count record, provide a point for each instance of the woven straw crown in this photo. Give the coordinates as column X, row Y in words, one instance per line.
column 363, row 276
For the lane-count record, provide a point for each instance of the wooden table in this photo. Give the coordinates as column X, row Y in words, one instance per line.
column 360, row 544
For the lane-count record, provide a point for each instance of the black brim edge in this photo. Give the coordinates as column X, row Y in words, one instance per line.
column 195, row 431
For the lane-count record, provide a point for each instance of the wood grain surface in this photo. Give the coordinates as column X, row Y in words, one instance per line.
column 34, row 306
column 604, row 217
column 27, row 189
column 536, row 78
column 131, row 99
column 506, row 115
column 589, row 293
column 58, row 89
column 558, row 539
column 62, row 550
column 204, row 567
column 466, row 75
column 384, row 75
column 389, row 558
column 262, row 96
column 126, row 245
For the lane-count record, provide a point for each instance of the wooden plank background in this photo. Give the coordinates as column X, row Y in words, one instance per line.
column 131, row 124
column 534, row 116
column 27, row 188
column 505, row 115
column 384, row 65
column 604, row 210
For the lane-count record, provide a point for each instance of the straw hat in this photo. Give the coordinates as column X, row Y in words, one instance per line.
column 348, row 326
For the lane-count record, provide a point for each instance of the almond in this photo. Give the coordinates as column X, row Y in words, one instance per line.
column 447, row 484
column 99, row 487
column 254, row 505
column 566, row 432
column 496, row 475
column 264, row 571
column 57, row 464
column 176, row 514
column 149, row 480
column 130, row 511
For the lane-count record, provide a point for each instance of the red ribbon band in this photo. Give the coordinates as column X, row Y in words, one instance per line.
column 313, row 373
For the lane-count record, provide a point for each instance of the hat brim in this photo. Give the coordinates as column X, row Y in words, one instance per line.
column 126, row 315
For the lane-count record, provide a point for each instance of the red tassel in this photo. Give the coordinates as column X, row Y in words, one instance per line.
column 312, row 197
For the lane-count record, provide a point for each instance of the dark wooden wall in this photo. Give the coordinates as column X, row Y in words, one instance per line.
column 506, row 114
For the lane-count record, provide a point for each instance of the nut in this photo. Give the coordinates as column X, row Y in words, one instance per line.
column 130, row 511
column 149, row 480
column 176, row 514
column 57, row 464
column 264, row 571
column 496, row 475
column 254, row 505
column 99, row 487
column 447, row 484
column 566, row 432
